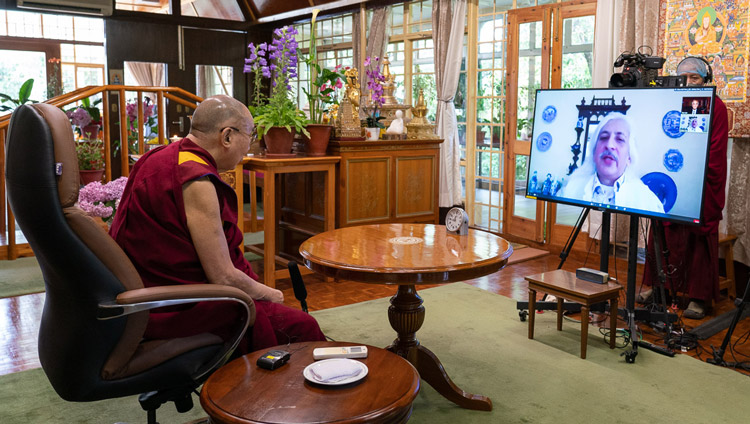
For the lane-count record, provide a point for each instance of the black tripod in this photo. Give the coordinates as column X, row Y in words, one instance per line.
column 630, row 313
column 718, row 357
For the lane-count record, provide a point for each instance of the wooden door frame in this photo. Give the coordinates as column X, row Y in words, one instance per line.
column 557, row 234
column 551, row 16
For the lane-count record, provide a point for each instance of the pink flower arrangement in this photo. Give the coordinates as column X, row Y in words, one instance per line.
column 101, row 200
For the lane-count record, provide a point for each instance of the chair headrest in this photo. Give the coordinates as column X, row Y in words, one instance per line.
column 65, row 152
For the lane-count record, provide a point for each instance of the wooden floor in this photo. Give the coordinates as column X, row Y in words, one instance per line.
column 19, row 316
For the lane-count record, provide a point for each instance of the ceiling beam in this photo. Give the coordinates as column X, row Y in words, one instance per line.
column 301, row 13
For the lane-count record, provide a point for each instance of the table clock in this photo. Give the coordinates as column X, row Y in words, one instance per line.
column 457, row 222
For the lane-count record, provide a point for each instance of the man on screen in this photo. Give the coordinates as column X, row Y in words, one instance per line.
column 608, row 174
column 693, row 251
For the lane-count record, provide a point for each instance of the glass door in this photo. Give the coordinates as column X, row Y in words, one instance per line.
column 528, row 70
column 574, row 57
column 549, row 46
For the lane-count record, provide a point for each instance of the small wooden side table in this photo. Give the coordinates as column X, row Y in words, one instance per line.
column 242, row 392
column 271, row 168
column 565, row 285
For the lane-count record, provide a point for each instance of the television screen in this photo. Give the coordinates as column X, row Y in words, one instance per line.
column 631, row 150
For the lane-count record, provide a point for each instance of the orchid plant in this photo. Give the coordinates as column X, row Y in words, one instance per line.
column 280, row 65
column 101, row 200
column 375, row 78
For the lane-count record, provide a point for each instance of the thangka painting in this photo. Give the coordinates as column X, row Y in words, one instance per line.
column 715, row 30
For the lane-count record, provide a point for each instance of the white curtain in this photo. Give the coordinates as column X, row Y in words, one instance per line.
column 448, row 48
column 146, row 74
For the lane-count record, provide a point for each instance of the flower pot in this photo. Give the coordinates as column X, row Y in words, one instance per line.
column 90, row 175
column 317, row 143
column 372, row 134
column 90, row 132
column 279, row 142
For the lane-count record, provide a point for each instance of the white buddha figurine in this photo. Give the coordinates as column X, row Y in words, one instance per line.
column 397, row 126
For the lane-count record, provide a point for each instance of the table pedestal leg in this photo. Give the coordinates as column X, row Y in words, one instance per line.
column 406, row 315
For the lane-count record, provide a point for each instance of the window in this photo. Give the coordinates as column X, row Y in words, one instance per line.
column 212, row 80
column 334, row 47
column 70, row 46
column 410, row 51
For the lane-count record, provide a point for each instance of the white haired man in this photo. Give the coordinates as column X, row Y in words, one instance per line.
column 607, row 176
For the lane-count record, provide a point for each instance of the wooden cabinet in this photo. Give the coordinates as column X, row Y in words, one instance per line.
column 386, row 181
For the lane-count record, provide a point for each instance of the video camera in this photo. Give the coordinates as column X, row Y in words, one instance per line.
column 638, row 70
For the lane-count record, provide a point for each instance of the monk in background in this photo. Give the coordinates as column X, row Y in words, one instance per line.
column 177, row 221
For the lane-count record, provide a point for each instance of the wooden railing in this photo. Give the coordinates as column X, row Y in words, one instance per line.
column 11, row 249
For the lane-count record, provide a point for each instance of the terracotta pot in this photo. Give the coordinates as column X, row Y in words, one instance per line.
column 317, row 143
column 90, row 132
column 90, row 175
column 278, row 142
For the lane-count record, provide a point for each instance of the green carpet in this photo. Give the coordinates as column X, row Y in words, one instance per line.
column 485, row 349
column 20, row 276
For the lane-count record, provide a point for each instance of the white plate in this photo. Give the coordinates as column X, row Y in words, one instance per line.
column 327, row 366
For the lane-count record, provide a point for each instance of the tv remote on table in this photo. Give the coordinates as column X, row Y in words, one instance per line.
column 340, row 352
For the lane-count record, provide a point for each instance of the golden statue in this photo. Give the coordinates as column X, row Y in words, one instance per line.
column 420, row 128
column 347, row 114
column 352, row 86
column 420, row 111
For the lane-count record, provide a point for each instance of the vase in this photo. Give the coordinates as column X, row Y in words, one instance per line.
column 90, row 132
column 317, row 143
column 279, row 142
column 372, row 134
column 90, row 175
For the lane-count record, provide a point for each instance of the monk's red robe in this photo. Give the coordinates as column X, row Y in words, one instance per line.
column 694, row 250
column 151, row 227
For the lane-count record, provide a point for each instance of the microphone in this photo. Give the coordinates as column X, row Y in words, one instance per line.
column 300, row 292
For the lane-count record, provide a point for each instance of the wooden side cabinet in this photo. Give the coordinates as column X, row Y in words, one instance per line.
column 387, row 181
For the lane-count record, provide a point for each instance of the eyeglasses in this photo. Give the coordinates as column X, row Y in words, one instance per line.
column 253, row 136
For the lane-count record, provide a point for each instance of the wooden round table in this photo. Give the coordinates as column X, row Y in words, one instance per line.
column 407, row 255
column 242, row 392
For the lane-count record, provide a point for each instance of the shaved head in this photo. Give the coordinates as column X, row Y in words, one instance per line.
column 223, row 126
column 217, row 112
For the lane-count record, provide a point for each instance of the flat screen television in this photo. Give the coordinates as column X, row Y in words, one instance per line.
column 637, row 151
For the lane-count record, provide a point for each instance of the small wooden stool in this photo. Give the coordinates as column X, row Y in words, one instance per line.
column 565, row 285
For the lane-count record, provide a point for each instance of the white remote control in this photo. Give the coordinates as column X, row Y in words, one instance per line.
column 340, row 352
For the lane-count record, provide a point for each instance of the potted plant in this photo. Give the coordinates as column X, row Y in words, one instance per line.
column 150, row 124
column 86, row 118
column 279, row 118
column 101, row 200
column 23, row 97
column 321, row 95
column 375, row 79
column 90, row 160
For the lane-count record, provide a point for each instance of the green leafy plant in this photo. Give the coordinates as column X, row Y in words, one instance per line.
column 281, row 65
column 90, row 155
column 23, row 97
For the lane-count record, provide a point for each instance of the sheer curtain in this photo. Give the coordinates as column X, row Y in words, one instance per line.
column 448, row 35
column 377, row 39
column 146, row 74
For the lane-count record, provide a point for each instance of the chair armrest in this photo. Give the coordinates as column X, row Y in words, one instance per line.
column 145, row 299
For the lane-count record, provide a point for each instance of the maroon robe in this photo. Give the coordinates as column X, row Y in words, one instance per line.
column 151, row 227
column 694, row 251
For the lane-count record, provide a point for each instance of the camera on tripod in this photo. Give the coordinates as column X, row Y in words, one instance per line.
column 638, row 70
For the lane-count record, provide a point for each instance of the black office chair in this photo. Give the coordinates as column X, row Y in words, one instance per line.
column 96, row 309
